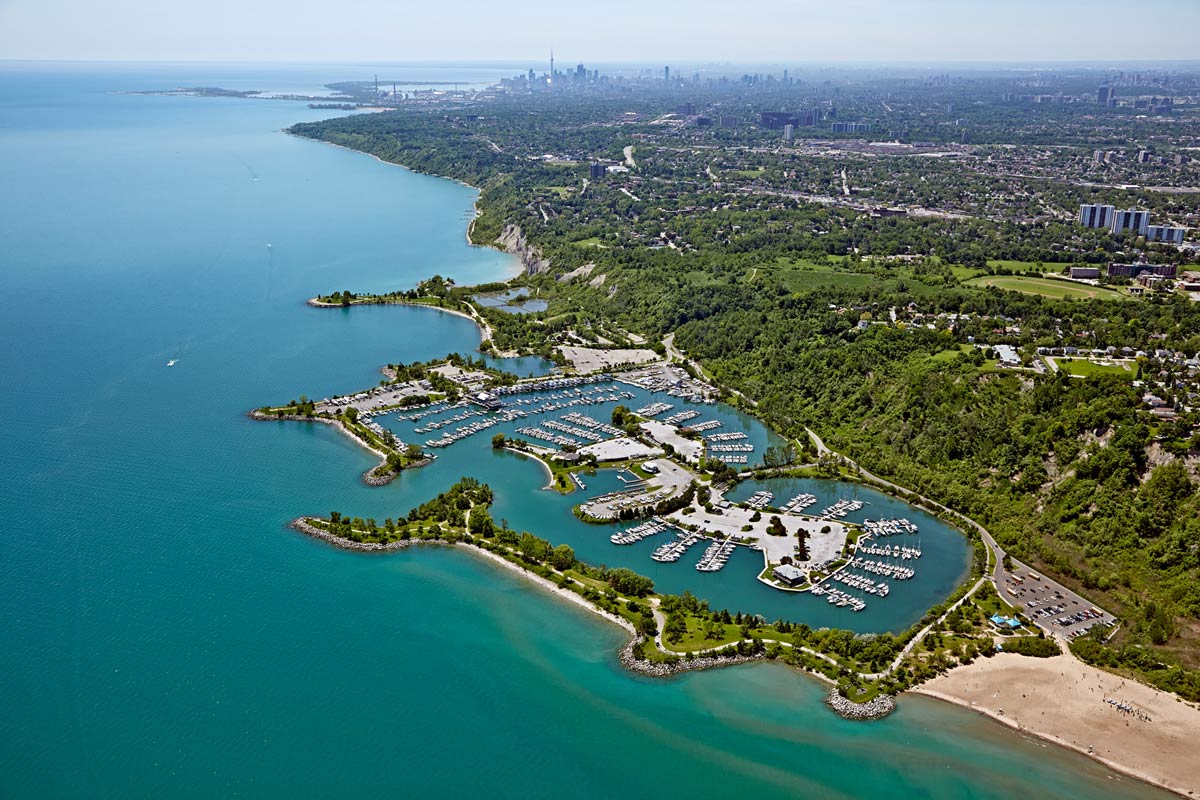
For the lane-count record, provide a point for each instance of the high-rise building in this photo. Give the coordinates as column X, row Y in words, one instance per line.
column 666, row 73
column 788, row 132
column 809, row 118
column 596, row 171
column 1096, row 215
column 776, row 120
column 1130, row 221
column 851, row 127
column 1104, row 94
column 1165, row 233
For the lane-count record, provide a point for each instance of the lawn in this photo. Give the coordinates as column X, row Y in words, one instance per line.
column 1047, row 287
column 1089, row 368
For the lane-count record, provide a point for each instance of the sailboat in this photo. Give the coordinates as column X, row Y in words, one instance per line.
column 172, row 362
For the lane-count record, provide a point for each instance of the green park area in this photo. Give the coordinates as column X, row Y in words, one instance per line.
column 1047, row 287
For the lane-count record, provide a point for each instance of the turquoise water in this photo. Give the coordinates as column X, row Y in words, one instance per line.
column 502, row 301
column 163, row 634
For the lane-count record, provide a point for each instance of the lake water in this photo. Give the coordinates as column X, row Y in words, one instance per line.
column 163, row 634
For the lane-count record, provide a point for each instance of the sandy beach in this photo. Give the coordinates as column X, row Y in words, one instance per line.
column 1061, row 699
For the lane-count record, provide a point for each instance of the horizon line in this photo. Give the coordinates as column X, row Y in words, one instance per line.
column 622, row 62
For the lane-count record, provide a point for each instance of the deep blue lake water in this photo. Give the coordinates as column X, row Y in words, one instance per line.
column 162, row 634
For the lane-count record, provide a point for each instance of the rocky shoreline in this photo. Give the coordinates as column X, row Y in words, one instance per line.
column 304, row 527
column 659, row 669
column 877, row 708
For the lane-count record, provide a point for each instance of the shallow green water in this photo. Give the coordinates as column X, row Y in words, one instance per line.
column 163, row 634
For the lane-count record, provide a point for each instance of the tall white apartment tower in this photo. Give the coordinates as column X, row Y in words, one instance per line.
column 1130, row 221
column 1096, row 215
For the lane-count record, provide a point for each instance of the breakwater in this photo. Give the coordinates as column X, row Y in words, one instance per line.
column 876, row 708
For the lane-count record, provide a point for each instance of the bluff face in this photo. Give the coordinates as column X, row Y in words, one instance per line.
column 512, row 240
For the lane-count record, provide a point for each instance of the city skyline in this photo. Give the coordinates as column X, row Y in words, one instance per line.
column 871, row 31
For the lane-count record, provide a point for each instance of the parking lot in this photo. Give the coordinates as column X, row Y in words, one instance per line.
column 374, row 399
column 1051, row 605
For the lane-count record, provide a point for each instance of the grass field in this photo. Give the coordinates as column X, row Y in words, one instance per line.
column 1089, row 368
column 1026, row 266
column 1047, row 287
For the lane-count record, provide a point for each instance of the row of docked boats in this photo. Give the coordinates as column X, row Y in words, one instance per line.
column 578, row 433
column 672, row 551
column 441, row 423
column 653, row 409
column 716, row 556
column 450, row 437
column 888, row 527
column 860, row 582
column 639, row 532
column 700, row 427
column 592, row 424
column 760, row 500
column 837, row 597
column 554, row 384
column 682, row 416
column 546, row 436
column 728, row 436
column 731, row 448
column 888, row 570
column 889, row 550
column 800, row 502
column 841, row 508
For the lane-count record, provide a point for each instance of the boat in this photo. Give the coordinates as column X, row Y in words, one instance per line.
column 172, row 362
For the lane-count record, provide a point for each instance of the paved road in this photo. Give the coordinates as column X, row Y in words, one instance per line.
column 674, row 352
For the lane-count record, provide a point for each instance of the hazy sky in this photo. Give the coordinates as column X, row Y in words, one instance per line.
column 618, row 30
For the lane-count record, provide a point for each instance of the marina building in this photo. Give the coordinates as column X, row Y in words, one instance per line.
column 787, row 574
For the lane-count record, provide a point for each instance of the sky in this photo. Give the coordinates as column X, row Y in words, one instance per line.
column 757, row 31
